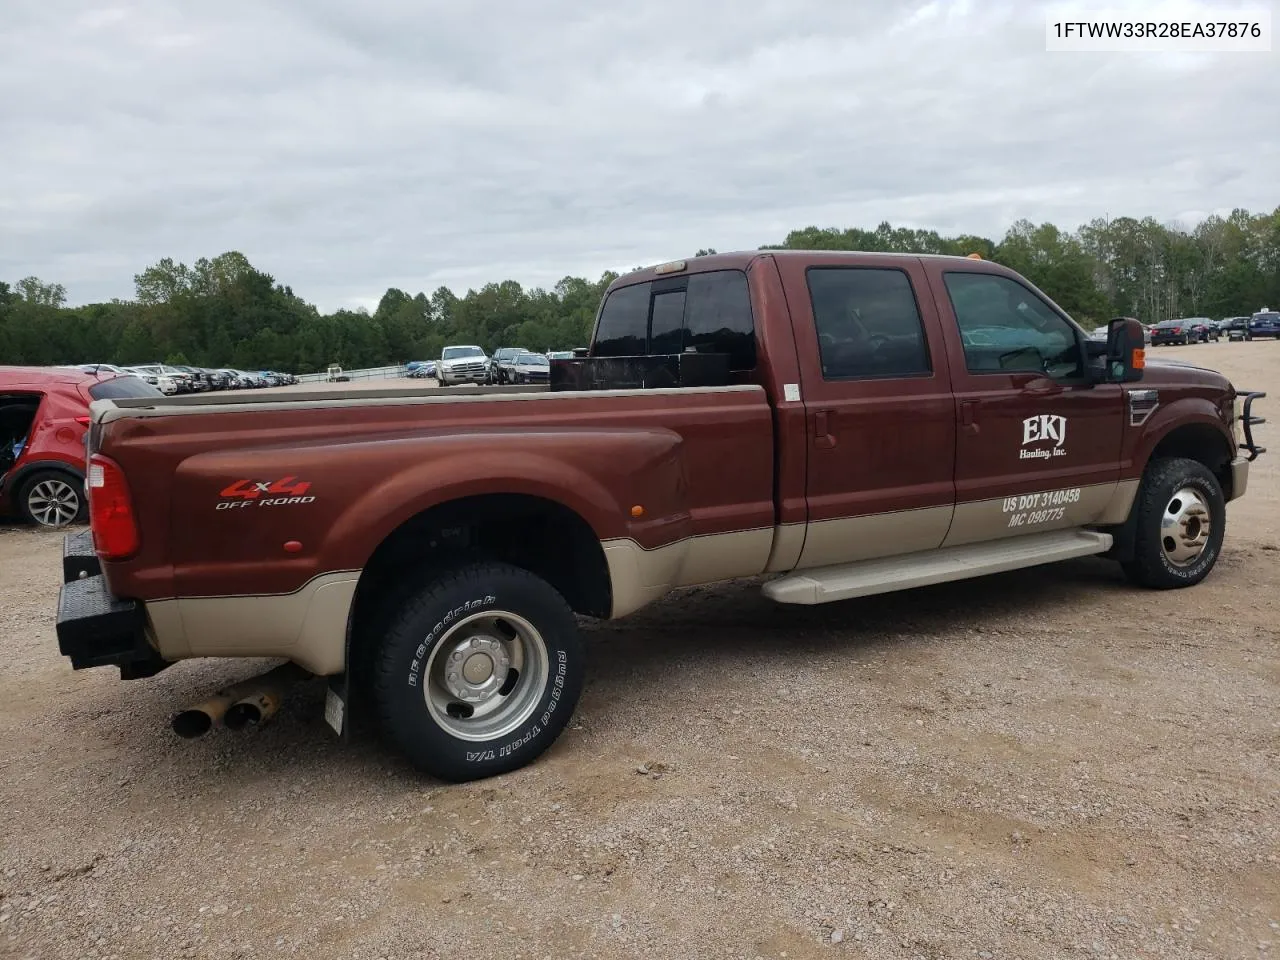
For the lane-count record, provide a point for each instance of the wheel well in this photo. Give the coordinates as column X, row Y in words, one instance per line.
column 1201, row 442
column 541, row 536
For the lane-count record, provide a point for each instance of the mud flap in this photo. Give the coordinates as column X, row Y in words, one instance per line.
column 336, row 695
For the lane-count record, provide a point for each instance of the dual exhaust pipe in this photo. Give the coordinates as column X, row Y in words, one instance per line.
column 240, row 705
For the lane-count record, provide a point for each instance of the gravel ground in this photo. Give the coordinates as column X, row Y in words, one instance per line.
column 1047, row 763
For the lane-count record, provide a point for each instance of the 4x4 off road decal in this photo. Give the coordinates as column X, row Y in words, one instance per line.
column 265, row 493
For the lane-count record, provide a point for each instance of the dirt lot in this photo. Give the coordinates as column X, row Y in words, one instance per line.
column 1042, row 764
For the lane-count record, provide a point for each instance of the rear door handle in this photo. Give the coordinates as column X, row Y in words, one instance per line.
column 822, row 431
column 967, row 410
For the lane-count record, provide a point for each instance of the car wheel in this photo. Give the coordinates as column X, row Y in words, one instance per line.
column 50, row 498
column 478, row 672
column 1181, row 519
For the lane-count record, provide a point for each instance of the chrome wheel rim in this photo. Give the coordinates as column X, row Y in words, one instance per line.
column 1185, row 527
column 486, row 675
column 53, row 503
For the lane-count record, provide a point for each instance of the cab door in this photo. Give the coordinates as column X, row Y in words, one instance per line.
column 878, row 406
column 1037, row 445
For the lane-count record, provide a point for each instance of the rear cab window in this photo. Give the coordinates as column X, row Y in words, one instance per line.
column 699, row 313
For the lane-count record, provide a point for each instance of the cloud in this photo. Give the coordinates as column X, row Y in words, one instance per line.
column 348, row 147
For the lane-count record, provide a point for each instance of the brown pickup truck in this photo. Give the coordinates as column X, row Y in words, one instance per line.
column 842, row 424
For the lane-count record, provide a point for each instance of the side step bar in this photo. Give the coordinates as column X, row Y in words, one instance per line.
column 867, row 577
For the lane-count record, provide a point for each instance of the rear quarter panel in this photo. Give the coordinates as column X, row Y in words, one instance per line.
column 700, row 462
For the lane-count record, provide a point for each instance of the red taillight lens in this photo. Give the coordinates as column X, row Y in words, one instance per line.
column 1177, row 329
column 115, row 529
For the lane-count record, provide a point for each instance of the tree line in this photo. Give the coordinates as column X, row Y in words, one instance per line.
column 225, row 312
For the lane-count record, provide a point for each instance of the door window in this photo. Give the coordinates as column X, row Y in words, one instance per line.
column 1005, row 328
column 867, row 322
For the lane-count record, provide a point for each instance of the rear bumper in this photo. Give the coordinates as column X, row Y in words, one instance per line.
column 95, row 628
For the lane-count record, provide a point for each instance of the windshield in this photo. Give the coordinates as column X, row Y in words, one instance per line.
column 453, row 353
column 533, row 360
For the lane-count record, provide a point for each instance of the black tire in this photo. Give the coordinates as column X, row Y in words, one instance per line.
column 1153, row 564
column 405, row 664
column 52, row 499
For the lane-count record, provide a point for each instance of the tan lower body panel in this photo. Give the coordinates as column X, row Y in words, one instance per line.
column 1065, row 508
column 309, row 626
column 874, row 535
column 639, row 576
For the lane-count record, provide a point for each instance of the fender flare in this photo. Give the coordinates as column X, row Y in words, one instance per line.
column 390, row 503
column 1183, row 412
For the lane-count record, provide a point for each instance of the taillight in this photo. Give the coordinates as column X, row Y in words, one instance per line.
column 1177, row 329
column 111, row 519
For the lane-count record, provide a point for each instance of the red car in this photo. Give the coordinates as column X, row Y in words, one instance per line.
column 44, row 412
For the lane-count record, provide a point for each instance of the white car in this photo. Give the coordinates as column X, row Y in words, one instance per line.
column 462, row 364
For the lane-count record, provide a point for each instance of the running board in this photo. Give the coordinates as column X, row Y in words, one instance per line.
column 826, row 584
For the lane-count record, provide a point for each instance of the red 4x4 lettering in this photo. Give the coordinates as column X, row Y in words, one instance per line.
column 252, row 489
column 289, row 488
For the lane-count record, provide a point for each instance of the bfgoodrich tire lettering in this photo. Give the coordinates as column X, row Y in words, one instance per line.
column 479, row 672
column 1164, row 556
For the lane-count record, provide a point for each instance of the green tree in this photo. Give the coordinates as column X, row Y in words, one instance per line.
column 224, row 311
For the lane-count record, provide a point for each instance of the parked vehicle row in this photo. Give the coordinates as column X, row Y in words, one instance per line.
column 1185, row 330
column 469, row 363
column 172, row 379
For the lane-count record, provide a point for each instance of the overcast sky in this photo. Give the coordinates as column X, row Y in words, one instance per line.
column 345, row 147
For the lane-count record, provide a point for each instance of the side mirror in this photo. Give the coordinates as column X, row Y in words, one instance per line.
column 1126, row 350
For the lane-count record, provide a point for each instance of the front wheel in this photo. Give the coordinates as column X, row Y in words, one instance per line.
column 1181, row 520
column 52, row 499
column 479, row 671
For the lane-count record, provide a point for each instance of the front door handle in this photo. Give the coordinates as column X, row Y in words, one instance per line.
column 823, row 438
column 967, row 422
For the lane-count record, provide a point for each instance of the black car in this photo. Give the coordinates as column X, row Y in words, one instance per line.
column 1204, row 329
column 1170, row 332
column 501, row 362
column 1237, row 328
column 217, row 379
column 1183, row 331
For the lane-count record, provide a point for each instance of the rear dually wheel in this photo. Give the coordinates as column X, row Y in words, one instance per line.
column 478, row 672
